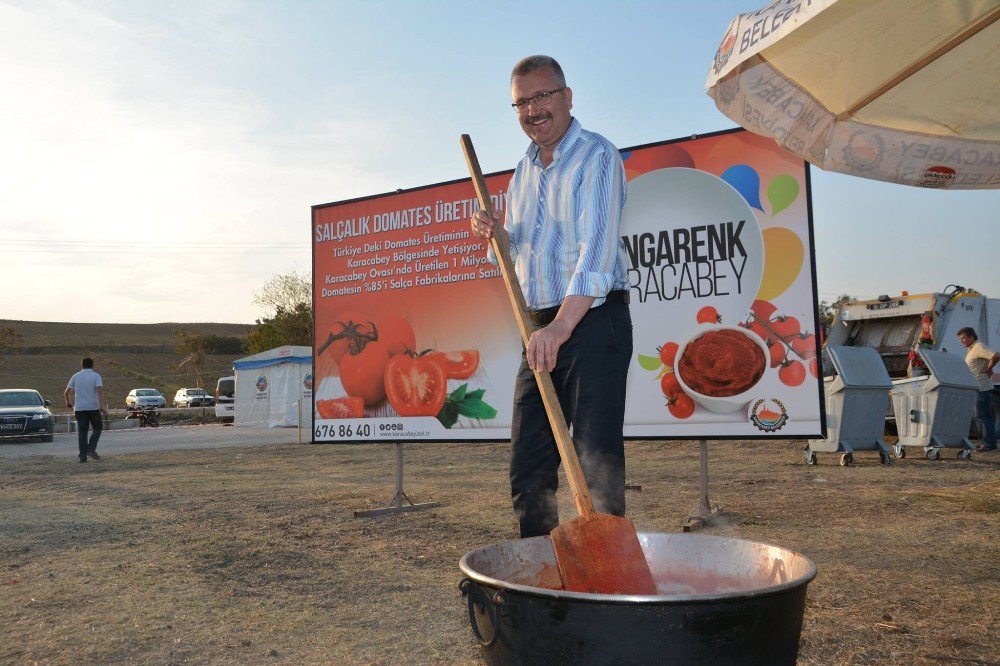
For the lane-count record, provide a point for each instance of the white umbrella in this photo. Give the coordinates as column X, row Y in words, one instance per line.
column 904, row 91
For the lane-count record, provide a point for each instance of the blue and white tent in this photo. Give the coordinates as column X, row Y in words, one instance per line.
column 268, row 386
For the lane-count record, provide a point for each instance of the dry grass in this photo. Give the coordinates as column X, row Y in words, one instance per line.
column 253, row 555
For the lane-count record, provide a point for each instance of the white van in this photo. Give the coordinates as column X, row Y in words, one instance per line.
column 225, row 398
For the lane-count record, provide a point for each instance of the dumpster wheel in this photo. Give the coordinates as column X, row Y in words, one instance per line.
column 933, row 453
column 810, row 457
column 899, row 450
column 884, row 457
column 846, row 459
column 965, row 454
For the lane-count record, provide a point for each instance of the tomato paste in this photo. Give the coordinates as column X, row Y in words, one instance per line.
column 722, row 364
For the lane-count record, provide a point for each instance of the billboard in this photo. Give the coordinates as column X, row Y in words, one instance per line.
column 415, row 338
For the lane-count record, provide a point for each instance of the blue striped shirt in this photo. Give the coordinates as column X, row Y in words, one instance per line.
column 564, row 220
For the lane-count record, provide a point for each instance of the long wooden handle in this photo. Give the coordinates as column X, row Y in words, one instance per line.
column 557, row 420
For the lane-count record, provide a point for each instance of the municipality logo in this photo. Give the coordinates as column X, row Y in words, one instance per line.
column 261, row 384
column 768, row 415
column 864, row 152
column 308, row 381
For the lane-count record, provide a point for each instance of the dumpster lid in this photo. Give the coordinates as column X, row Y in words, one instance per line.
column 859, row 366
column 948, row 369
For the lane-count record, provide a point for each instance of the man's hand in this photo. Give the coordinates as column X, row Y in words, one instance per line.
column 482, row 225
column 543, row 345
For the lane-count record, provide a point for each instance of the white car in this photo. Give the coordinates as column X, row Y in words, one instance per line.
column 192, row 397
column 145, row 397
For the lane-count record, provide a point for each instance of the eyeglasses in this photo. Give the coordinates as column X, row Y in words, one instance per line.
column 541, row 99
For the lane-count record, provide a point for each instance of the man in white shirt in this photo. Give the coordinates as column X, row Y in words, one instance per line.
column 84, row 395
column 981, row 360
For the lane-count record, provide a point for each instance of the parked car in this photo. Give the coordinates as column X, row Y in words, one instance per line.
column 192, row 397
column 23, row 414
column 225, row 398
column 145, row 397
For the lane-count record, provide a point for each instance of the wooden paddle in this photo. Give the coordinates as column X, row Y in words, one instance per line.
column 595, row 552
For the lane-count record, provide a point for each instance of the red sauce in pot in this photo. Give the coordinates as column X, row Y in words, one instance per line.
column 722, row 364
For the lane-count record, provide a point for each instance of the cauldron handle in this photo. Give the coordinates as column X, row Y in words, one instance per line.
column 465, row 587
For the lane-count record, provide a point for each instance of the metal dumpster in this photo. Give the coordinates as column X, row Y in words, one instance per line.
column 936, row 411
column 857, row 400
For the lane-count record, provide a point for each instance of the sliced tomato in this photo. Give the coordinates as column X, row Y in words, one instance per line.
column 456, row 364
column 415, row 386
column 347, row 407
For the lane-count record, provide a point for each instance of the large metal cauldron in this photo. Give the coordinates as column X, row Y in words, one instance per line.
column 721, row 601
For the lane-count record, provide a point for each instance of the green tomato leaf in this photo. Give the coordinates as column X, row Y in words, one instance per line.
column 458, row 395
column 448, row 415
column 476, row 409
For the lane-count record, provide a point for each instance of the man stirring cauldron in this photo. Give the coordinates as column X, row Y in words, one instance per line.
column 563, row 216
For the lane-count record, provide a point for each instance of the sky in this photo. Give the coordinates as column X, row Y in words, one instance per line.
column 158, row 160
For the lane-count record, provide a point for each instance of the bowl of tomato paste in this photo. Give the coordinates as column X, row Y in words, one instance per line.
column 720, row 366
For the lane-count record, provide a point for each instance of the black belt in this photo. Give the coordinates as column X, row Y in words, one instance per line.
column 544, row 317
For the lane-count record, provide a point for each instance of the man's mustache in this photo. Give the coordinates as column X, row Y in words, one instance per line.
column 539, row 117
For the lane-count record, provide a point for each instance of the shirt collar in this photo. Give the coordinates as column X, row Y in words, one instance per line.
column 571, row 135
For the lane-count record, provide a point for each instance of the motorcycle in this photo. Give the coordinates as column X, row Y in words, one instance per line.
column 149, row 417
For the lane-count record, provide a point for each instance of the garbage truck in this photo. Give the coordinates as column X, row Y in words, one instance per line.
column 893, row 325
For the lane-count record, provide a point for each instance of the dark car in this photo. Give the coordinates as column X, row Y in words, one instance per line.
column 24, row 414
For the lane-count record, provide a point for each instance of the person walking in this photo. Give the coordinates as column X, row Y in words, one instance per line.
column 563, row 218
column 981, row 360
column 84, row 395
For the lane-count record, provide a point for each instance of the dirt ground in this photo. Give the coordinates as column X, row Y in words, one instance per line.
column 237, row 556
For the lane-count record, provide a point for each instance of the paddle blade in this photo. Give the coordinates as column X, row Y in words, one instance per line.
column 601, row 554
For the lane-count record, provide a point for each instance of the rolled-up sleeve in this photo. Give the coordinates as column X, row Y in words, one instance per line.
column 598, row 226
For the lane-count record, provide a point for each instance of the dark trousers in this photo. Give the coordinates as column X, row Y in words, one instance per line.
column 86, row 419
column 986, row 419
column 589, row 378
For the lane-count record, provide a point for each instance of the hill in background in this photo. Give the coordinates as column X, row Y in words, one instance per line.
column 127, row 356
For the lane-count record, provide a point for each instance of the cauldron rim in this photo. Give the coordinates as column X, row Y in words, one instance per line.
column 590, row 597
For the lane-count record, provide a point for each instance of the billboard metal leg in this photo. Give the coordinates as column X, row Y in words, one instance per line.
column 396, row 502
column 705, row 512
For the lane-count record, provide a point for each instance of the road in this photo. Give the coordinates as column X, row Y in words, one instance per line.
column 136, row 440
